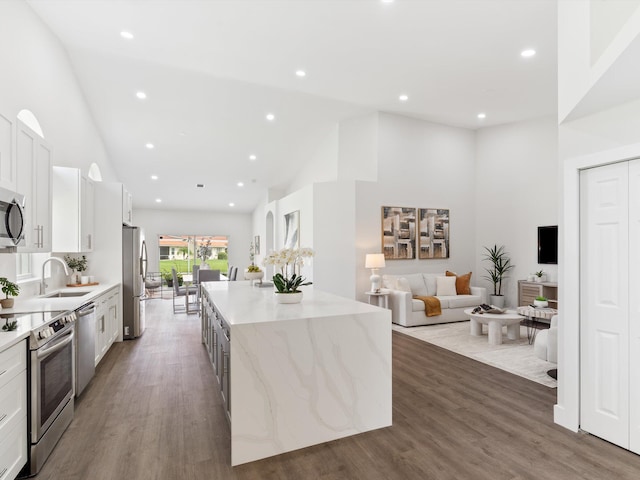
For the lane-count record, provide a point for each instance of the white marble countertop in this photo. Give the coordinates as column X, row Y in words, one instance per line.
column 40, row 304
column 241, row 303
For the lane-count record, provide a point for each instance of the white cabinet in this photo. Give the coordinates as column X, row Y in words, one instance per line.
column 7, row 157
column 107, row 322
column 73, row 203
column 13, row 410
column 33, row 164
column 127, row 207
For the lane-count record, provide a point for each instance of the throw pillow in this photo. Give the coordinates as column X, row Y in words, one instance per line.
column 402, row 284
column 446, row 286
column 463, row 282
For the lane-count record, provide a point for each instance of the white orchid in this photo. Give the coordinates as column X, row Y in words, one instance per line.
column 287, row 260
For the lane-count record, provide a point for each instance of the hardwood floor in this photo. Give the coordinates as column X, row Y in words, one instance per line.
column 153, row 411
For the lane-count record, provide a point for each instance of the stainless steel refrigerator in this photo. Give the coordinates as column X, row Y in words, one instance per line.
column 132, row 283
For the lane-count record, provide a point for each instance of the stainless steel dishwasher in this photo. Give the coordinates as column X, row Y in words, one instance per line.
column 85, row 346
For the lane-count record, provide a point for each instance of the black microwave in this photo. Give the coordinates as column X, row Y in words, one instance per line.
column 11, row 218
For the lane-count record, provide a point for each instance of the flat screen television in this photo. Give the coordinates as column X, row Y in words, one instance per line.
column 548, row 245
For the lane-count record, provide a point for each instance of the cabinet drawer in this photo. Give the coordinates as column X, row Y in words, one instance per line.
column 13, row 450
column 13, row 402
column 12, row 361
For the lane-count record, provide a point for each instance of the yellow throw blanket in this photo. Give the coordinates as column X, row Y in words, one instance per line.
column 431, row 305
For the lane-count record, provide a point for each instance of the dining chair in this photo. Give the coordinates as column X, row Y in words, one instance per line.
column 179, row 291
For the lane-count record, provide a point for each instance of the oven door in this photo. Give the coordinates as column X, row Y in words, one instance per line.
column 52, row 368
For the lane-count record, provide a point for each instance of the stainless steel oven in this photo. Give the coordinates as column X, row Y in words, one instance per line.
column 11, row 218
column 52, row 381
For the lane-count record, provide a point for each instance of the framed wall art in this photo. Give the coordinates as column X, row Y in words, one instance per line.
column 398, row 233
column 292, row 230
column 433, row 241
column 256, row 245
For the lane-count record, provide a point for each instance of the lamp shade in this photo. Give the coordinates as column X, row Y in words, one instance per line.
column 374, row 260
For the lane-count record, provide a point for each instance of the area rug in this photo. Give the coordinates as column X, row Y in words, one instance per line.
column 514, row 356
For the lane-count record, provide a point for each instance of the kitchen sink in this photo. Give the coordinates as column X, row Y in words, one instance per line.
column 64, row 294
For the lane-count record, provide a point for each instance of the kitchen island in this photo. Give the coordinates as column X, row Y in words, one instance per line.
column 296, row 375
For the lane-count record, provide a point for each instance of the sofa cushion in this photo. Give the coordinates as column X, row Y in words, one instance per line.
column 418, row 305
column 463, row 282
column 445, row 286
column 402, row 284
column 464, row 301
column 417, row 284
column 430, row 282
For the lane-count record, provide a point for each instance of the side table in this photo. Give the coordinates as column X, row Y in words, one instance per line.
column 381, row 299
column 533, row 314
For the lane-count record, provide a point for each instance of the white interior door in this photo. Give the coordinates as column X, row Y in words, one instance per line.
column 634, row 306
column 604, row 309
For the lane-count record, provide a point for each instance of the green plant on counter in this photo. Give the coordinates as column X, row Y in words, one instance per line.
column 9, row 288
column 253, row 268
column 76, row 264
column 540, row 273
column 541, row 298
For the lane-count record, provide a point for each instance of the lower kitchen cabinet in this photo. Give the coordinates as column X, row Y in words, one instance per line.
column 13, row 410
column 107, row 321
column 216, row 337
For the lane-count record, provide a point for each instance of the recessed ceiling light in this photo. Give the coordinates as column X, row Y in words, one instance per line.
column 482, row 115
column 154, row 177
column 403, row 98
column 158, row 200
column 231, row 204
column 149, row 146
column 126, row 35
column 301, row 73
column 271, row 117
column 141, row 95
column 528, row 53
column 252, row 157
column 386, row 1
column 183, row 134
column 240, row 184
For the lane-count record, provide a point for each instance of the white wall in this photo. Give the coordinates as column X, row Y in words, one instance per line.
column 516, row 191
column 36, row 75
column 613, row 129
column 421, row 165
column 237, row 227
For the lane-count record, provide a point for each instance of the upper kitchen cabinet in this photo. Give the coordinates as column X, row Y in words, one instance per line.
column 127, row 207
column 33, row 180
column 7, row 158
column 73, row 211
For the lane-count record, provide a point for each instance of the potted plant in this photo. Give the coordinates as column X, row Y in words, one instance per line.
column 500, row 266
column 76, row 265
column 168, row 278
column 253, row 271
column 9, row 289
column 287, row 281
column 540, row 276
column 541, row 302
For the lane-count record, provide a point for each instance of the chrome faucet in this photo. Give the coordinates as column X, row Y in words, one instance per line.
column 43, row 284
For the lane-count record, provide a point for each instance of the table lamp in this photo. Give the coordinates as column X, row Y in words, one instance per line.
column 374, row 261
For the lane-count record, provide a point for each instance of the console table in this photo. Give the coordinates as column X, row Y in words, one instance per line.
column 528, row 291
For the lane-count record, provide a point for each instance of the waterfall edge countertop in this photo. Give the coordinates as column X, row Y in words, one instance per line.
column 300, row 374
column 46, row 304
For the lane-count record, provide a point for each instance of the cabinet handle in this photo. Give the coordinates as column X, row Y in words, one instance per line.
column 4, row 415
column 89, row 241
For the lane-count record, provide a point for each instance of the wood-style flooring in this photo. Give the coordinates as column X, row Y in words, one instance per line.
column 153, row 411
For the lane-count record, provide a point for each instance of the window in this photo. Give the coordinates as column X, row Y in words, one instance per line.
column 182, row 252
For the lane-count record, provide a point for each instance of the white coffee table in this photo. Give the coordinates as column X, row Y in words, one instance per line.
column 495, row 322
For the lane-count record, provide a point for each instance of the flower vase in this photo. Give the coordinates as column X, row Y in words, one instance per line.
column 288, row 298
column 204, row 266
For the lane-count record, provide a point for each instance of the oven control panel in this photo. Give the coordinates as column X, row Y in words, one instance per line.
column 41, row 334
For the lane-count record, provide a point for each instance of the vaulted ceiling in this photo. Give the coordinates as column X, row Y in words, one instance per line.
column 213, row 69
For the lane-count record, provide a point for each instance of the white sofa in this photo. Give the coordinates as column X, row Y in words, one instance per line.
column 409, row 312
